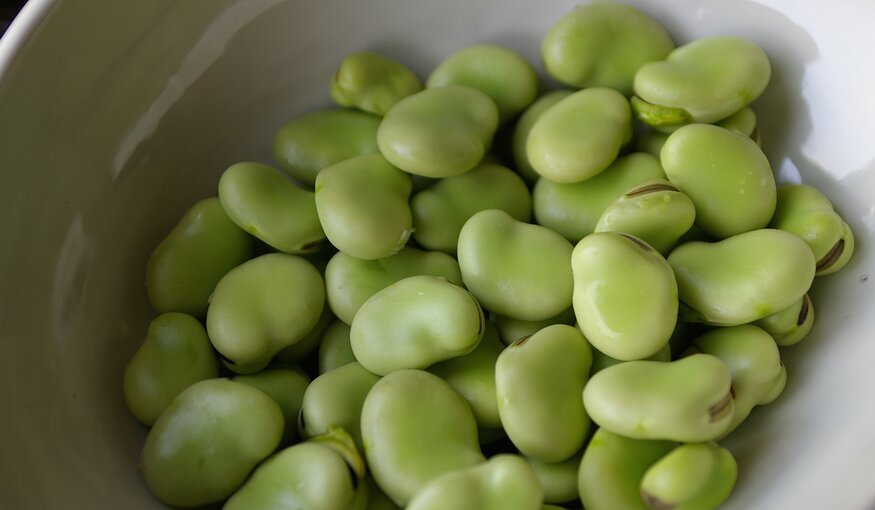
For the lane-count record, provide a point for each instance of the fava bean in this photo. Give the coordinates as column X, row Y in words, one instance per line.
column 335, row 398
column 204, row 445
column 573, row 210
column 316, row 475
column 725, row 174
column 373, row 83
column 335, row 349
column 790, row 325
column 286, row 387
column 743, row 278
column 690, row 477
column 186, row 266
column 625, row 295
column 703, row 81
column 603, row 44
column 688, row 400
column 350, row 281
column 753, row 358
column 513, row 268
column 558, row 479
column 263, row 306
column 439, row 132
column 506, row 482
column 415, row 323
column 175, row 354
column 440, row 211
column 362, row 205
column 512, row 330
column 539, row 380
column 313, row 141
column 611, row 470
column 498, row 72
column 524, row 127
column 580, row 136
column 415, row 428
column 269, row 206
column 473, row 377
column 806, row 212
column 653, row 211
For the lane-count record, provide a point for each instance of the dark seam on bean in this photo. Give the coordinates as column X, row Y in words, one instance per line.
column 831, row 256
column 655, row 503
column 353, row 476
column 803, row 312
column 651, row 188
column 644, row 246
column 720, row 408
column 520, row 341
column 313, row 244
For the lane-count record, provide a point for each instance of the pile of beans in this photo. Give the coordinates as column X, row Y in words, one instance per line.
column 406, row 315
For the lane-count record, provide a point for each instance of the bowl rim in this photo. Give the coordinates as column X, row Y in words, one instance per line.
column 22, row 27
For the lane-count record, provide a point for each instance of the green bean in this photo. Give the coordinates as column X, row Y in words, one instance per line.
column 186, row 266
column 286, row 387
column 175, row 354
column 372, row 83
column 603, row 44
column 308, row 143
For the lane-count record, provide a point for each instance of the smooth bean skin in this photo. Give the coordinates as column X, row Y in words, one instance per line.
column 611, row 470
column 510, row 330
column 524, row 126
column 309, row 475
column 505, row 482
column 625, row 295
column 439, row 212
column 439, row 132
column 753, row 358
column 377, row 499
column 175, row 354
column 186, row 266
column 335, row 398
column 286, row 387
column 573, row 210
column 703, row 81
column 313, row 141
column 515, row 269
column 790, row 325
column 263, row 306
column 415, row 323
column 580, row 136
column 696, row 476
column 737, row 192
column 806, row 212
column 743, row 278
column 538, row 381
column 473, row 377
column 653, row 211
column 743, row 121
column 301, row 349
column 372, row 83
column 502, row 74
column 558, row 479
column 415, row 428
column 603, row 44
column 265, row 203
column 350, row 281
column 362, row 205
column 601, row 361
column 687, row 400
column 335, row 349
column 204, row 445
column 651, row 142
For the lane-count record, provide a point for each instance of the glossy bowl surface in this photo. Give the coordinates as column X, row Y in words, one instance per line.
column 115, row 116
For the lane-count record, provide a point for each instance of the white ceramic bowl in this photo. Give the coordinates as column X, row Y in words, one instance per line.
column 115, row 116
